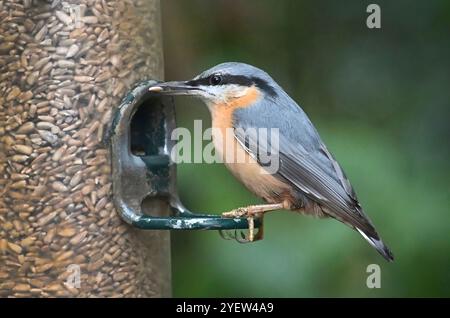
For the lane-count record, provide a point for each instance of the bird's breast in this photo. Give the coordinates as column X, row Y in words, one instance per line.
column 237, row 159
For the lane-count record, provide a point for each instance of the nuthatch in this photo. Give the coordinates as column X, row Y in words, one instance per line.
column 308, row 179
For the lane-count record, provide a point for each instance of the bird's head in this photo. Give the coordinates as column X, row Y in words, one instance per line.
column 224, row 84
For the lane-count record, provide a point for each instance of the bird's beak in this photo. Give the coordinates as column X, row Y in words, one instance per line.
column 175, row 88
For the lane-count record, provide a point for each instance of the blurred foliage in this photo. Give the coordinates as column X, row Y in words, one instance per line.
column 380, row 100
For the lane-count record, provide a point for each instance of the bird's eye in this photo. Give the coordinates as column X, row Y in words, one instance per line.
column 215, row 80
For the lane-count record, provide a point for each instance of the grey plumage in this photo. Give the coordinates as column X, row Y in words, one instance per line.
column 305, row 161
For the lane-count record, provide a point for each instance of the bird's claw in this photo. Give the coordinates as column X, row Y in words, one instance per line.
column 237, row 235
column 240, row 236
column 227, row 234
column 243, row 238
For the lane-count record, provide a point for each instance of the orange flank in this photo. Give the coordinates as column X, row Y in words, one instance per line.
column 222, row 114
column 235, row 157
column 251, row 96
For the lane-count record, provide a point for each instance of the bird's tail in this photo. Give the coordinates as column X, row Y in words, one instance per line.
column 378, row 244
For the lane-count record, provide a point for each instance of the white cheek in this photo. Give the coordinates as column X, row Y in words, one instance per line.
column 215, row 94
column 236, row 91
column 222, row 94
column 217, row 91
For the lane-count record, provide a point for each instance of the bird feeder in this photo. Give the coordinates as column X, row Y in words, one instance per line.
column 65, row 66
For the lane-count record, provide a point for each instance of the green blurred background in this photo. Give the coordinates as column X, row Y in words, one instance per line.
column 379, row 98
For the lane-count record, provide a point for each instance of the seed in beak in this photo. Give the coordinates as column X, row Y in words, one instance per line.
column 155, row 89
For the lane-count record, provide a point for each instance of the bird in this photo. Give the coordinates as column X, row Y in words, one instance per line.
column 307, row 178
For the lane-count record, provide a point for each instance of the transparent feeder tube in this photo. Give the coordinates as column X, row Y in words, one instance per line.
column 64, row 67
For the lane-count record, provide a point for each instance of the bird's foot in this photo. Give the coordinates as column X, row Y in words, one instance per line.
column 240, row 235
column 237, row 213
column 250, row 212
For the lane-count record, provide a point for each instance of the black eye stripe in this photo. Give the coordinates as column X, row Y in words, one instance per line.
column 238, row 80
column 265, row 86
column 201, row 81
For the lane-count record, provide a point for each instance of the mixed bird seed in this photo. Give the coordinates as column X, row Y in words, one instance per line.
column 64, row 66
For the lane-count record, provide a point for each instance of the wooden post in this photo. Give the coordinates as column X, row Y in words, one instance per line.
column 65, row 65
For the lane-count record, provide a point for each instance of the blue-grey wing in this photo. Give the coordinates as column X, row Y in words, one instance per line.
column 304, row 160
